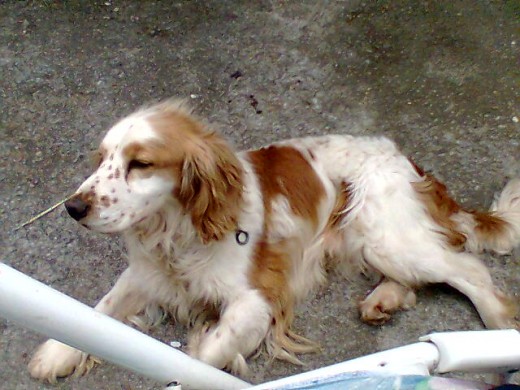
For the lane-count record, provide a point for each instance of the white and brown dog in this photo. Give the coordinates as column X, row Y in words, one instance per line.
column 228, row 243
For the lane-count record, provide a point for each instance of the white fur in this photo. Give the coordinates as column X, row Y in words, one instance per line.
column 507, row 207
column 384, row 227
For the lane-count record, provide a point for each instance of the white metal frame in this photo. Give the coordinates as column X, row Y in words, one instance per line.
column 36, row 306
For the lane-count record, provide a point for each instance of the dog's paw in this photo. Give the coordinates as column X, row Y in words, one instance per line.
column 386, row 299
column 373, row 314
column 54, row 360
column 238, row 366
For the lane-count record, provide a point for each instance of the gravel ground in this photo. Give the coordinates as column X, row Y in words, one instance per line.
column 441, row 78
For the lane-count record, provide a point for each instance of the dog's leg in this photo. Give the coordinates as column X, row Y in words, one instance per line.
column 386, row 298
column 54, row 359
column 436, row 264
column 471, row 277
column 241, row 328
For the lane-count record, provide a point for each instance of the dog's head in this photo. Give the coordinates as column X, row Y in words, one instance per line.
column 157, row 157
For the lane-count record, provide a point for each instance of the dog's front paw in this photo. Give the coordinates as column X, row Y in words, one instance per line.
column 238, row 366
column 54, row 360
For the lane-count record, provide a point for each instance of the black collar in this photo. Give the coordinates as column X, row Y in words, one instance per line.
column 242, row 237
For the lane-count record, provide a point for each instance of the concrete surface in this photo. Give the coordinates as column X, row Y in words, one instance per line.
column 439, row 77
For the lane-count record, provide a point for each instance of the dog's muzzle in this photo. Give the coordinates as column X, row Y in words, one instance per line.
column 77, row 207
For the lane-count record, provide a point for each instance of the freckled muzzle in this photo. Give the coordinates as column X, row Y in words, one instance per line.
column 77, row 207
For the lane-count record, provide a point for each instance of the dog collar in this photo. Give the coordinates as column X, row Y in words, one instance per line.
column 242, row 237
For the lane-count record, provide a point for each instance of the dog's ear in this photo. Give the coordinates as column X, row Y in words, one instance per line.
column 211, row 187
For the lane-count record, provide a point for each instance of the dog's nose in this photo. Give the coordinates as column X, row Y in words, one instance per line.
column 77, row 208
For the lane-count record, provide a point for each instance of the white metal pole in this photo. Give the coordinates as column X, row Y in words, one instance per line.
column 481, row 351
column 413, row 359
column 38, row 307
column 477, row 351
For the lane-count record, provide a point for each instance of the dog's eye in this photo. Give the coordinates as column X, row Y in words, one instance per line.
column 139, row 164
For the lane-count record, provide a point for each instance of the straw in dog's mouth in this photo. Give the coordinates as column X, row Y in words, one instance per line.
column 43, row 213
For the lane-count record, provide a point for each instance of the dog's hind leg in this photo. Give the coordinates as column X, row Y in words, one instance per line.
column 471, row 277
column 436, row 264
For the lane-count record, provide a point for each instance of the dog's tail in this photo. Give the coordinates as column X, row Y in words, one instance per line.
column 498, row 229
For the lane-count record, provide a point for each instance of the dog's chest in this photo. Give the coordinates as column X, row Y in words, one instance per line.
column 210, row 274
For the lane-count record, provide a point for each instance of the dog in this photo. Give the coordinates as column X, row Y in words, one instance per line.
column 229, row 243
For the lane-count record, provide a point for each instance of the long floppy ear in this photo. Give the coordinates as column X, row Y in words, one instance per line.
column 211, row 187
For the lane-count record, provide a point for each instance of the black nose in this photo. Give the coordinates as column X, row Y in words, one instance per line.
column 77, row 208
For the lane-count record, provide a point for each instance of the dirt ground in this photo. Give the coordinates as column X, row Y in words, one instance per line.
column 440, row 77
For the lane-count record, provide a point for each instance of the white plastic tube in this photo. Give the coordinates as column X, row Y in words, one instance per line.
column 413, row 359
column 38, row 307
column 477, row 351
column 480, row 351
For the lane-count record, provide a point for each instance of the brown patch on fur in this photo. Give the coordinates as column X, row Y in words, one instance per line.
column 342, row 202
column 270, row 272
column 270, row 275
column 105, row 201
column 282, row 170
column 161, row 154
column 417, row 168
column 211, row 188
column 164, row 159
column 440, row 206
column 206, row 168
column 488, row 226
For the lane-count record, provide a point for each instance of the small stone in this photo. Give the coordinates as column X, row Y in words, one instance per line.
column 236, row 75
